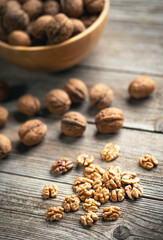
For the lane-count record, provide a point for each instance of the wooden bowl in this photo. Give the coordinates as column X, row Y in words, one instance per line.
column 61, row 56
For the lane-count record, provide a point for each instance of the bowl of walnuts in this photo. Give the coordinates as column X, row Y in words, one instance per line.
column 50, row 35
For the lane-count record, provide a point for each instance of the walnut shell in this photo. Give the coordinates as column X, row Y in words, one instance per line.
column 3, row 116
column 5, row 146
column 4, row 91
column 78, row 26
column 72, row 8
column 141, row 87
column 109, row 120
column 51, row 8
column 59, row 29
column 101, row 95
column 88, row 20
column 33, row 8
column 73, row 124
column 29, row 105
column 76, row 89
column 2, row 5
column 19, row 38
column 32, row 132
column 12, row 5
column 94, row 6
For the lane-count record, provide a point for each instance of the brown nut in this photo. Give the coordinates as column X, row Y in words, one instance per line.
column 19, row 38
column 71, row 203
column 117, row 194
column 57, row 101
column 51, row 7
column 110, row 152
column 91, row 205
column 76, row 89
column 112, row 178
column 134, row 191
column 2, row 5
column 94, row 172
column 129, row 177
column 85, row 159
column 101, row 194
column 3, row 116
column 37, row 29
column 72, row 8
column 29, row 105
column 16, row 19
column 32, row 132
column 109, row 120
column 59, row 29
column 50, row 191
column 82, row 182
column 33, row 8
column 63, row 165
column 94, row 6
column 73, row 124
column 88, row 20
column 5, row 146
column 11, row 5
column 111, row 213
column 54, row 214
column 148, row 161
column 101, row 95
column 88, row 219
column 141, row 87
column 78, row 26
column 4, row 91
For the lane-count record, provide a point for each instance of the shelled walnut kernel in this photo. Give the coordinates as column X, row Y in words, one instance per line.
column 63, row 165
column 71, row 203
column 85, row 193
column 134, row 191
column 111, row 213
column 88, row 219
column 112, row 178
column 110, row 152
column 117, row 194
column 50, row 191
column 94, row 172
column 54, row 214
column 91, row 205
column 85, row 159
column 81, row 183
column 129, row 177
column 148, row 161
column 101, row 194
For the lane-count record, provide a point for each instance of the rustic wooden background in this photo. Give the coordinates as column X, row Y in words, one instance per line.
column 131, row 45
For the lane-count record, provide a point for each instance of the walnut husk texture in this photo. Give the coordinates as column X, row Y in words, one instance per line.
column 63, row 165
column 109, row 120
column 29, row 105
column 72, row 8
column 32, row 132
column 73, row 124
column 3, row 116
column 5, row 146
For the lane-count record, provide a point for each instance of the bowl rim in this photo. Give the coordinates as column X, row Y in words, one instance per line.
column 65, row 43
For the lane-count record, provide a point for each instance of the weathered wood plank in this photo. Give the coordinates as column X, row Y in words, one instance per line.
column 23, row 212
column 36, row 162
column 141, row 114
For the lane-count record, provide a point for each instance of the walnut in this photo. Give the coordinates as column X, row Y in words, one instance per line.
column 78, row 26
column 4, row 91
column 59, row 29
column 33, row 8
column 94, row 6
column 109, row 120
column 101, row 194
column 134, row 191
column 88, row 20
column 16, row 19
column 88, row 219
column 72, row 8
column 85, row 159
column 71, row 203
column 97, row 183
column 2, row 5
column 129, row 177
column 12, row 5
column 81, row 183
column 3, row 116
column 110, row 152
column 29, row 105
column 85, row 193
column 94, row 172
column 5, row 146
column 63, row 165
column 54, row 214
column 76, row 89
column 148, row 161
column 19, row 38
column 117, row 194
column 51, row 7
column 50, row 191
column 111, row 213
column 112, row 178
column 101, row 95
column 91, row 205
column 141, row 87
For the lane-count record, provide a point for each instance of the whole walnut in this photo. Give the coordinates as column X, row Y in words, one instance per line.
column 109, row 120
column 2, row 5
column 3, row 116
column 19, row 38
column 29, row 105
column 101, row 95
column 59, row 29
column 88, row 20
column 141, row 87
column 16, row 19
column 72, row 8
column 51, row 7
column 73, row 124
column 5, row 146
column 37, row 29
column 76, row 89
column 78, row 26
column 57, row 101
column 11, row 5
column 94, row 6
column 32, row 132
column 33, row 8
column 4, row 91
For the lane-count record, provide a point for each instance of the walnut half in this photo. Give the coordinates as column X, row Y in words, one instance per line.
column 91, row 205
column 71, row 203
column 148, row 161
column 88, row 219
column 54, row 214
column 110, row 152
column 117, row 195
column 134, row 191
column 85, row 159
column 111, row 213
column 50, row 191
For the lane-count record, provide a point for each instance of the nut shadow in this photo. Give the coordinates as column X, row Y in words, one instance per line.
column 92, row 111
column 68, row 140
column 101, row 136
column 137, row 102
column 15, row 92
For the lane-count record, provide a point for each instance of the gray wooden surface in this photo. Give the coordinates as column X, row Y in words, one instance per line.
column 131, row 45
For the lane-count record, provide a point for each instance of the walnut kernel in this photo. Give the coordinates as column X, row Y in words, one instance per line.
column 71, row 203
column 94, row 172
column 134, row 191
column 63, row 165
column 129, row 177
column 88, row 219
column 148, row 161
column 117, row 194
column 111, row 213
column 110, row 152
column 91, row 205
column 54, row 214
column 85, row 159
column 101, row 194
column 50, row 191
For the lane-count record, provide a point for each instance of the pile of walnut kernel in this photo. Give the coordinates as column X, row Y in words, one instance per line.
column 45, row 22
column 96, row 188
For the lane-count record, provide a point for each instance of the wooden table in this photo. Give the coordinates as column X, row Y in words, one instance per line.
column 131, row 45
